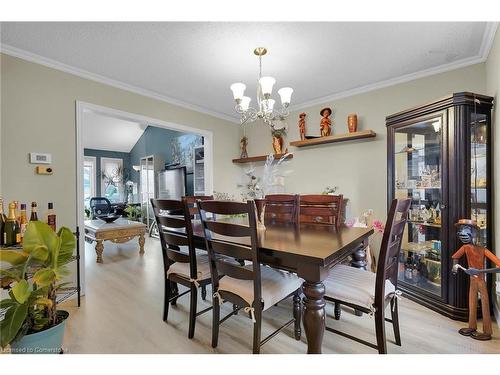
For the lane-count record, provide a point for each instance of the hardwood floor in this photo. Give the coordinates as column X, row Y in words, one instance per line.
column 122, row 313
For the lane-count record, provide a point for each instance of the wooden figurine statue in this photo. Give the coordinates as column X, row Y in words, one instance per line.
column 302, row 126
column 467, row 233
column 244, row 143
column 326, row 123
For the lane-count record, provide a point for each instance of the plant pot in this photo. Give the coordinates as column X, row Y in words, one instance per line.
column 48, row 341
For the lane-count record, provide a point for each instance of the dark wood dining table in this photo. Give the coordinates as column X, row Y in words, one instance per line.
column 308, row 250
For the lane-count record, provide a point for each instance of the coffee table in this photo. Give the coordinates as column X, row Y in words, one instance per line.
column 120, row 231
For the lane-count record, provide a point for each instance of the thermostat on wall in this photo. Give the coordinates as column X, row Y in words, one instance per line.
column 39, row 158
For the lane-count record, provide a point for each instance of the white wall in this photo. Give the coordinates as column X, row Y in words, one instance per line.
column 358, row 168
column 493, row 89
column 38, row 115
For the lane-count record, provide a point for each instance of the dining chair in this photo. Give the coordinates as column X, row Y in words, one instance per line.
column 281, row 208
column 370, row 292
column 182, row 265
column 100, row 206
column 321, row 209
column 251, row 287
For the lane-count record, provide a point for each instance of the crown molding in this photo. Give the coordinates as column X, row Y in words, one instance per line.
column 54, row 64
column 484, row 50
column 488, row 38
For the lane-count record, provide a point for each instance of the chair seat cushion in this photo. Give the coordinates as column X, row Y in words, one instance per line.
column 182, row 269
column 276, row 285
column 354, row 285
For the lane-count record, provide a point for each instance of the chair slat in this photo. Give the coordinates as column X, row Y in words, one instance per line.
column 173, row 239
column 232, row 250
column 232, row 270
column 225, row 208
column 228, row 229
column 177, row 256
column 171, row 221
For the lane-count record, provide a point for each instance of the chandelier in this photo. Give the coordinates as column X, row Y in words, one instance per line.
column 265, row 104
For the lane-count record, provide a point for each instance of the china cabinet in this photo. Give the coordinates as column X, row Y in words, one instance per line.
column 439, row 155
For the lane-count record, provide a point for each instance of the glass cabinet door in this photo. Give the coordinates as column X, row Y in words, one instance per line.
column 417, row 175
column 479, row 173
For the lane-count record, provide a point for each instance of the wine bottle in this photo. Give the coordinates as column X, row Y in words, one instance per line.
column 51, row 217
column 2, row 221
column 12, row 235
column 34, row 215
column 23, row 223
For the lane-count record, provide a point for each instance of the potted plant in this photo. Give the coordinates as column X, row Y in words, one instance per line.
column 32, row 323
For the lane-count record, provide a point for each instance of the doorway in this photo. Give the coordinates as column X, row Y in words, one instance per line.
column 89, row 168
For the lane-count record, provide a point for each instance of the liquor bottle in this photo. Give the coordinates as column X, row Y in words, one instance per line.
column 2, row 221
column 50, row 218
column 34, row 215
column 11, row 235
column 18, row 215
column 23, row 223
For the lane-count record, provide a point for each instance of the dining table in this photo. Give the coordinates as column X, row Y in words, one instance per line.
column 308, row 250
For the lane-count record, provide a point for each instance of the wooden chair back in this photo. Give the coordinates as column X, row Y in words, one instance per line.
column 225, row 240
column 175, row 214
column 191, row 202
column 281, row 208
column 321, row 209
column 388, row 262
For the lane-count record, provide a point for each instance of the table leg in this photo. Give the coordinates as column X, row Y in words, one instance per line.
column 314, row 315
column 141, row 244
column 99, row 247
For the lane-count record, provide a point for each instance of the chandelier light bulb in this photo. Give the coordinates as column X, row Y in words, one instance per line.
column 268, row 105
column 245, row 102
column 266, row 85
column 285, row 94
column 238, row 90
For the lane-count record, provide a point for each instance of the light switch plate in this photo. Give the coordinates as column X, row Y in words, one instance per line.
column 40, row 158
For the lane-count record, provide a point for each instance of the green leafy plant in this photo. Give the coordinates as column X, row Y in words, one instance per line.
column 31, row 306
column 133, row 212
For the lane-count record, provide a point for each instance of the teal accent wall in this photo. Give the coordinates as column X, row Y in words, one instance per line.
column 98, row 154
column 168, row 144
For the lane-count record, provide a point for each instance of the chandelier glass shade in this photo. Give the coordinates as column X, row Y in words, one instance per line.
column 265, row 108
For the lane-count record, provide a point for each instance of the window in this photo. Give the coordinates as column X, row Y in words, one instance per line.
column 89, row 178
column 112, row 179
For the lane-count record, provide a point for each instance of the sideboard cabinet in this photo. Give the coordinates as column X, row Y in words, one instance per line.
column 439, row 155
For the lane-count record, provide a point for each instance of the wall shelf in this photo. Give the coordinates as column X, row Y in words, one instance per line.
column 335, row 138
column 252, row 159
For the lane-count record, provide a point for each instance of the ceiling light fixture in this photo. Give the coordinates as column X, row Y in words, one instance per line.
column 265, row 104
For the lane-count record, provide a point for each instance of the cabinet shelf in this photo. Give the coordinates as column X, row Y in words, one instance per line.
column 335, row 138
column 252, row 159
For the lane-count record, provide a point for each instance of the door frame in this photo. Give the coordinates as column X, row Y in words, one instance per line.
column 80, row 108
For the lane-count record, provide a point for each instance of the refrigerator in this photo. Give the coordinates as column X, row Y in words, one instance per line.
column 172, row 183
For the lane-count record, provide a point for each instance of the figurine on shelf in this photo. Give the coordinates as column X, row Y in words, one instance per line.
column 244, row 144
column 302, row 126
column 468, row 232
column 326, row 123
column 278, row 142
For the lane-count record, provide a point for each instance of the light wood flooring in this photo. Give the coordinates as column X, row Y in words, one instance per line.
column 122, row 313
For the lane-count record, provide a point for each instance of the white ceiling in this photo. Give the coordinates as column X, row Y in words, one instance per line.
column 193, row 64
column 102, row 132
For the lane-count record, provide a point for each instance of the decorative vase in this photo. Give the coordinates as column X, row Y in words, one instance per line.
column 352, row 123
column 48, row 341
column 278, row 144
